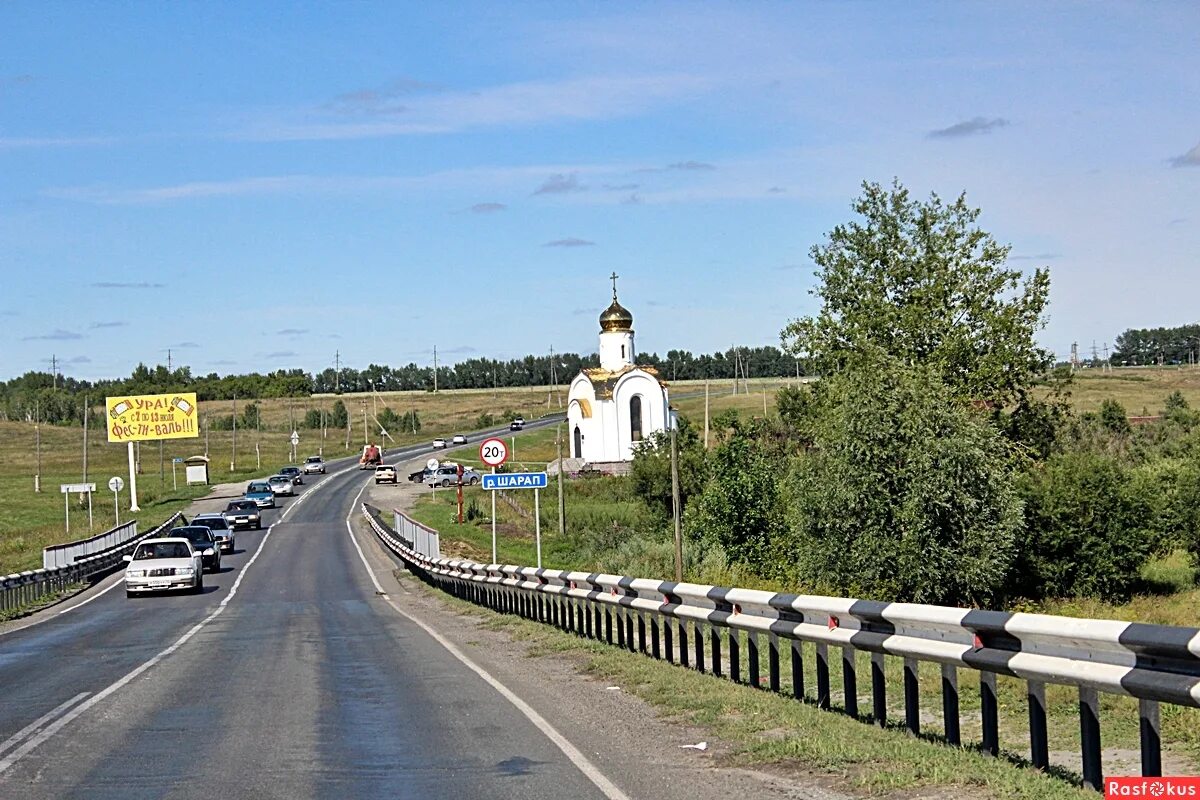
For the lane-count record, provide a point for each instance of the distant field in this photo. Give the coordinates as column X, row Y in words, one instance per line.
column 29, row 521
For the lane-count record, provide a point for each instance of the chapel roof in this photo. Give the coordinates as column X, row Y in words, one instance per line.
column 604, row 381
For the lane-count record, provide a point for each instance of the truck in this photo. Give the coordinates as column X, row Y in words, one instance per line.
column 372, row 456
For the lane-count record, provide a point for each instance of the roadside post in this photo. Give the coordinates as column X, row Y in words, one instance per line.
column 115, row 485
column 174, row 475
column 67, row 490
column 295, row 441
column 522, row 480
column 460, row 504
column 493, row 452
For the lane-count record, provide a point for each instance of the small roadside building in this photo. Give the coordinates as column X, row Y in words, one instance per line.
column 613, row 407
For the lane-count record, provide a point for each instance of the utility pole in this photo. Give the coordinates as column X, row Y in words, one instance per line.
column 337, row 372
column 435, row 369
column 365, row 434
column 54, row 372
column 168, row 359
column 86, row 409
column 562, row 505
column 37, row 437
column 706, row 413
column 233, row 451
column 675, row 507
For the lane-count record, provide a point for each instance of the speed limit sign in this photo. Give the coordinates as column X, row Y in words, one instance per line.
column 493, row 452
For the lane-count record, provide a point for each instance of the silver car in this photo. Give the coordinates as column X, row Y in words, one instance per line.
column 159, row 565
column 447, row 475
column 282, row 485
column 314, row 464
column 221, row 529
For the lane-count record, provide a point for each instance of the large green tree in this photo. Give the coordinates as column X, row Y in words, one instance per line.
column 922, row 283
column 906, row 495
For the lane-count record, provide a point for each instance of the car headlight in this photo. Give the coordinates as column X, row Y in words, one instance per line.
column 135, row 573
column 185, row 570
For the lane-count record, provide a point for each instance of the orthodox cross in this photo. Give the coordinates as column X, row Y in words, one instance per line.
column 614, row 277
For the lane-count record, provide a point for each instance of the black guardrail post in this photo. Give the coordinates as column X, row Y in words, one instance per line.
column 1150, row 729
column 878, row 690
column 989, row 711
column 752, row 659
column 714, row 640
column 1089, row 735
column 773, row 661
column 797, row 648
column 950, row 704
column 735, row 655
column 912, row 697
column 698, row 642
column 1039, row 743
column 850, row 681
column 822, row 675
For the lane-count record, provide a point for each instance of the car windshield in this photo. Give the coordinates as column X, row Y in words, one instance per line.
column 240, row 505
column 151, row 550
column 213, row 523
column 313, row 460
column 279, row 479
column 198, row 536
column 258, row 487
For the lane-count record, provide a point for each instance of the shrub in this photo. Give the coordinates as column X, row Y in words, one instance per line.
column 1088, row 529
column 1114, row 418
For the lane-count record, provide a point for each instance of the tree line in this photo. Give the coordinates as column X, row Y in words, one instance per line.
column 59, row 399
column 1141, row 346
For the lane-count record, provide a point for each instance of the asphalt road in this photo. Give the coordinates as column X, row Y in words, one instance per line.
column 289, row 677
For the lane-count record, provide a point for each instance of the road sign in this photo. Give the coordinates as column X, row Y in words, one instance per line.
column 295, row 438
column 176, row 460
column 516, row 480
column 493, row 452
column 432, row 464
column 72, row 488
column 115, row 484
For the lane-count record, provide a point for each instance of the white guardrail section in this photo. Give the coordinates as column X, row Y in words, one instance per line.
column 23, row 588
column 1154, row 663
column 59, row 555
column 419, row 538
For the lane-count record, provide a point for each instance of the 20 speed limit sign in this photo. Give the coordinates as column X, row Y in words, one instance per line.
column 493, row 452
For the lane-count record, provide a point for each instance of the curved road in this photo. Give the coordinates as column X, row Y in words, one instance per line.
column 289, row 677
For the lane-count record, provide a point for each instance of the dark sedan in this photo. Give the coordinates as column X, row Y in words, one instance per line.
column 203, row 541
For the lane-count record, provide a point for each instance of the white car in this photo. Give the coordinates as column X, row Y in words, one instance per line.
column 459, row 438
column 314, row 464
column 282, row 485
column 159, row 565
column 439, row 443
column 517, row 424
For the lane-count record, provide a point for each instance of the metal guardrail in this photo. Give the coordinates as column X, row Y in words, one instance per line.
column 59, row 555
column 1153, row 663
column 23, row 588
column 419, row 538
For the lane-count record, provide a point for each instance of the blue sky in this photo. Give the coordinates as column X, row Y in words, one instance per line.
column 258, row 185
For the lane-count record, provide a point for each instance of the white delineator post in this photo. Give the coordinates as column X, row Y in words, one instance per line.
column 537, row 524
column 133, row 505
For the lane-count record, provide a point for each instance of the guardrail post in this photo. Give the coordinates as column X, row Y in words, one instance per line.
column 950, row 704
column 878, row 690
column 655, row 650
column 1089, row 734
column 989, row 710
column 1039, row 743
column 714, row 642
column 912, row 697
column 735, row 655
column 822, row 675
column 590, row 612
column 630, row 637
column 797, row 648
column 752, row 658
column 608, row 624
column 850, row 681
column 1150, row 725
column 699, row 642
column 668, row 639
column 681, row 624
column 641, row 629
column 773, row 661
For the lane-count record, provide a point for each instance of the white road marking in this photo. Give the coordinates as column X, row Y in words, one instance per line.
column 16, row 738
column 581, row 762
column 120, row 579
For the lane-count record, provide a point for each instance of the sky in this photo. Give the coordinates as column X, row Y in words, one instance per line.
column 255, row 185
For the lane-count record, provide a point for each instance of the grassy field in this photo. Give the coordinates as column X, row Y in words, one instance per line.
column 1140, row 389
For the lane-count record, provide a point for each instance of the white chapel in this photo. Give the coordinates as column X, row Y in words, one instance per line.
column 613, row 407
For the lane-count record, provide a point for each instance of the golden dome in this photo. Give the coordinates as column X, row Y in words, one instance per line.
column 616, row 318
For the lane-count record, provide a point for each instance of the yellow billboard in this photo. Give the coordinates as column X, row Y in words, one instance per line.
column 144, row 417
